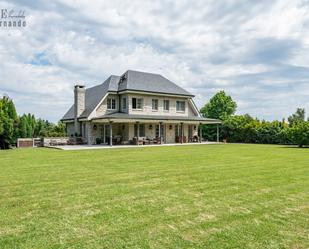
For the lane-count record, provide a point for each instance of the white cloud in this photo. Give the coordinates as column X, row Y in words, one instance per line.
column 255, row 50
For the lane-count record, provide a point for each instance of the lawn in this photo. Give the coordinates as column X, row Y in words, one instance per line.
column 202, row 196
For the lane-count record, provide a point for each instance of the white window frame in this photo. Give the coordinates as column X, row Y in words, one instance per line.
column 139, row 104
column 111, row 104
column 166, row 103
column 180, row 104
column 155, row 104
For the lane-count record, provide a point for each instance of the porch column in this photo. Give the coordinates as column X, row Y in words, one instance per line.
column 104, row 138
column 181, row 132
column 137, row 124
column 218, row 133
column 111, row 133
column 160, row 131
column 201, row 132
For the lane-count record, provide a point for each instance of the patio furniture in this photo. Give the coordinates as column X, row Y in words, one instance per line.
column 180, row 139
column 139, row 142
column 157, row 140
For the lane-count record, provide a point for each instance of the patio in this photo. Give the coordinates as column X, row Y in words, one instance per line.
column 95, row 147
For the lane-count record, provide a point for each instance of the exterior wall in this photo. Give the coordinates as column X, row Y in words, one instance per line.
column 150, row 133
column 91, row 134
column 170, row 133
column 147, row 106
column 190, row 111
column 102, row 109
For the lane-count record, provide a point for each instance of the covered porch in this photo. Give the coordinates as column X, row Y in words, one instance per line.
column 145, row 131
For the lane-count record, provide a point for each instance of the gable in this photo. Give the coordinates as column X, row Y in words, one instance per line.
column 94, row 96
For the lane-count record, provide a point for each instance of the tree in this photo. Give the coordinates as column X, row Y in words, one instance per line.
column 8, row 123
column 299, row 133
column 220, row 106
column 298, row 116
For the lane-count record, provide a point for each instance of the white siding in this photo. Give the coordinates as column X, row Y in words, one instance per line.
column 147, row 106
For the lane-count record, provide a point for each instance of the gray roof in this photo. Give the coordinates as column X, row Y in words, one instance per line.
column 130, row 80
column 93, row 97
column 149, row 82
column 121, row 115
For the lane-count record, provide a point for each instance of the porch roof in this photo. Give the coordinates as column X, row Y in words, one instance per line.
column 133, row 117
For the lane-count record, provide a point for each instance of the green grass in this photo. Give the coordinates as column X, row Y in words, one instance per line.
column 208, row 196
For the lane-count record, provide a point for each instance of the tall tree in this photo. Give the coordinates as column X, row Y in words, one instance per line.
column 298, row 116
column 220, row 106
column 8, row 122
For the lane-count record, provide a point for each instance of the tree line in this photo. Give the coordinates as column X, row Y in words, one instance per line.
column 13, row 126
column 247, row 129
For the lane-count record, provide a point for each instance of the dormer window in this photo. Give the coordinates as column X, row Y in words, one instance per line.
column 111, row 104
column 122, row 79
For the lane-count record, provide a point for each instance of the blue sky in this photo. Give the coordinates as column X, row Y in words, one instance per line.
column 257, row 51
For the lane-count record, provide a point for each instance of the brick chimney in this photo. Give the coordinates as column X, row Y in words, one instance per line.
column 79, row 105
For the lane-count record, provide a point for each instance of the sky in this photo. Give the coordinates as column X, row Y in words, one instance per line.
column 256, row 51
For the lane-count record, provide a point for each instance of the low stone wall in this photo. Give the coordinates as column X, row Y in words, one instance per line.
column 54, row 141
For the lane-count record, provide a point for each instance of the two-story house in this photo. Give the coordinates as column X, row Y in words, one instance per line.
column 134, row 108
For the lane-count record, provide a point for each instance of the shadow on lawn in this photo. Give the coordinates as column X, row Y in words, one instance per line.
column 294, row 147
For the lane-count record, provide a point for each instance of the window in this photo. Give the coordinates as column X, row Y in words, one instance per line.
column 124, row 103
column 137, row 103
column 161, row 131
column 111, row 104
column 177, row 130
column 155, row 104
column 166, row 105
column 180, row 106
column 141, row 130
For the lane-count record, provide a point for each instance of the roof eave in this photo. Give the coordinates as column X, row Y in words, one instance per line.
column 151, row 117
column 163, row 93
